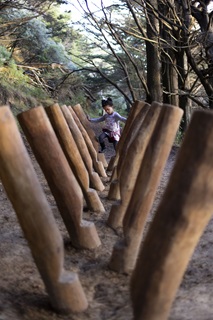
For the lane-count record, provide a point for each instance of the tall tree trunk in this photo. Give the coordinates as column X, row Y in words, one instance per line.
column 184, row 85
column 168, row 57
column 153, row 62
column 209, row 54
column 170, row 79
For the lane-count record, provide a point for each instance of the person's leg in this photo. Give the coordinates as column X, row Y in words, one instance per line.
column 101, row 140
column 115, row 144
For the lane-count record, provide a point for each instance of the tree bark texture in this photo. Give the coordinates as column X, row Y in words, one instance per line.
column 98, row 165
column 131, row 166
column 82, row 116
column 60, row 178
column 73, row 156
column 148, row 177
column 184, row 212
column 135, row 109
column 36, row 218
column 95, row 180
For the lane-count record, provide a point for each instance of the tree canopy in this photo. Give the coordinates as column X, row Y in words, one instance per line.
column 147, row 50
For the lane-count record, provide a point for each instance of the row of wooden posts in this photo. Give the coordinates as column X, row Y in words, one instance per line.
column 66, row 149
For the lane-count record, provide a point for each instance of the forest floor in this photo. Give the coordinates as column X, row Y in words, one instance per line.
column 22, row 292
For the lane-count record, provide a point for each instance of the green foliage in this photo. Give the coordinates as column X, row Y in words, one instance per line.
column 58, row 25
column 11, row 75
column 20, row 97
column 4, row 55
column 41, row 47
column 35, row 41
column 179, row 137
column 47, row 40
column 79, row 98
column 16, row 89
column 31, row 42
column 70, row 95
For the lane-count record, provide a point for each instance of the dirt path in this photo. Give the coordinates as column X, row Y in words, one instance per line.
column 22, row 293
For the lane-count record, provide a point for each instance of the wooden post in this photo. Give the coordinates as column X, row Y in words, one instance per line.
column 95, row 180
column 114, row 191
column 179, row 222
column 102, row 158
column 81, row 115
column 125, row 253
column 98, row 165
column 135, row 109
column 73, row 156
column 60, row 178
column 36, row 219
column 132, row 165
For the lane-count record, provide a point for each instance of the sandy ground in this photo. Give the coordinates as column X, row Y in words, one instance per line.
column 22, row 292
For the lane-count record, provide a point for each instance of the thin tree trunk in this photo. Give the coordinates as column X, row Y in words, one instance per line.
column 153, row 62
column 169, row 72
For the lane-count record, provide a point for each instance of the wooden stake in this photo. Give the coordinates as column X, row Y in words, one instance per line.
column 114, row 191
column 82, row 116
column 179, row 222
column 148, row 178
column 101, row 157
column 36, row 219
column 98, row 165
column 95, row 180
column 73, row 156
column 60, row 178
column 132, row 165
column 135, row 109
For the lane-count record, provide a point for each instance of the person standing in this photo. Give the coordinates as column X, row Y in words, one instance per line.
column 111, row 129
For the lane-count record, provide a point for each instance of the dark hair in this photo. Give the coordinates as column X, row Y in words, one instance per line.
column 107, row 102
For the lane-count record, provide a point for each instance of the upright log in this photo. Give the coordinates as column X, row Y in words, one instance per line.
column 60, row 178
column 98, row 165
column 82, row 116
column 179, row 222
column 102, row 158
column 125, row 252
column 36, row 219
column 135, row 109
column 114, row 191
column 95, row 180
column 73, row 156
column 132, row 165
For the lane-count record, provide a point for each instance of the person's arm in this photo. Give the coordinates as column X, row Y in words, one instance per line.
column 119, row 117
column 101, row 119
